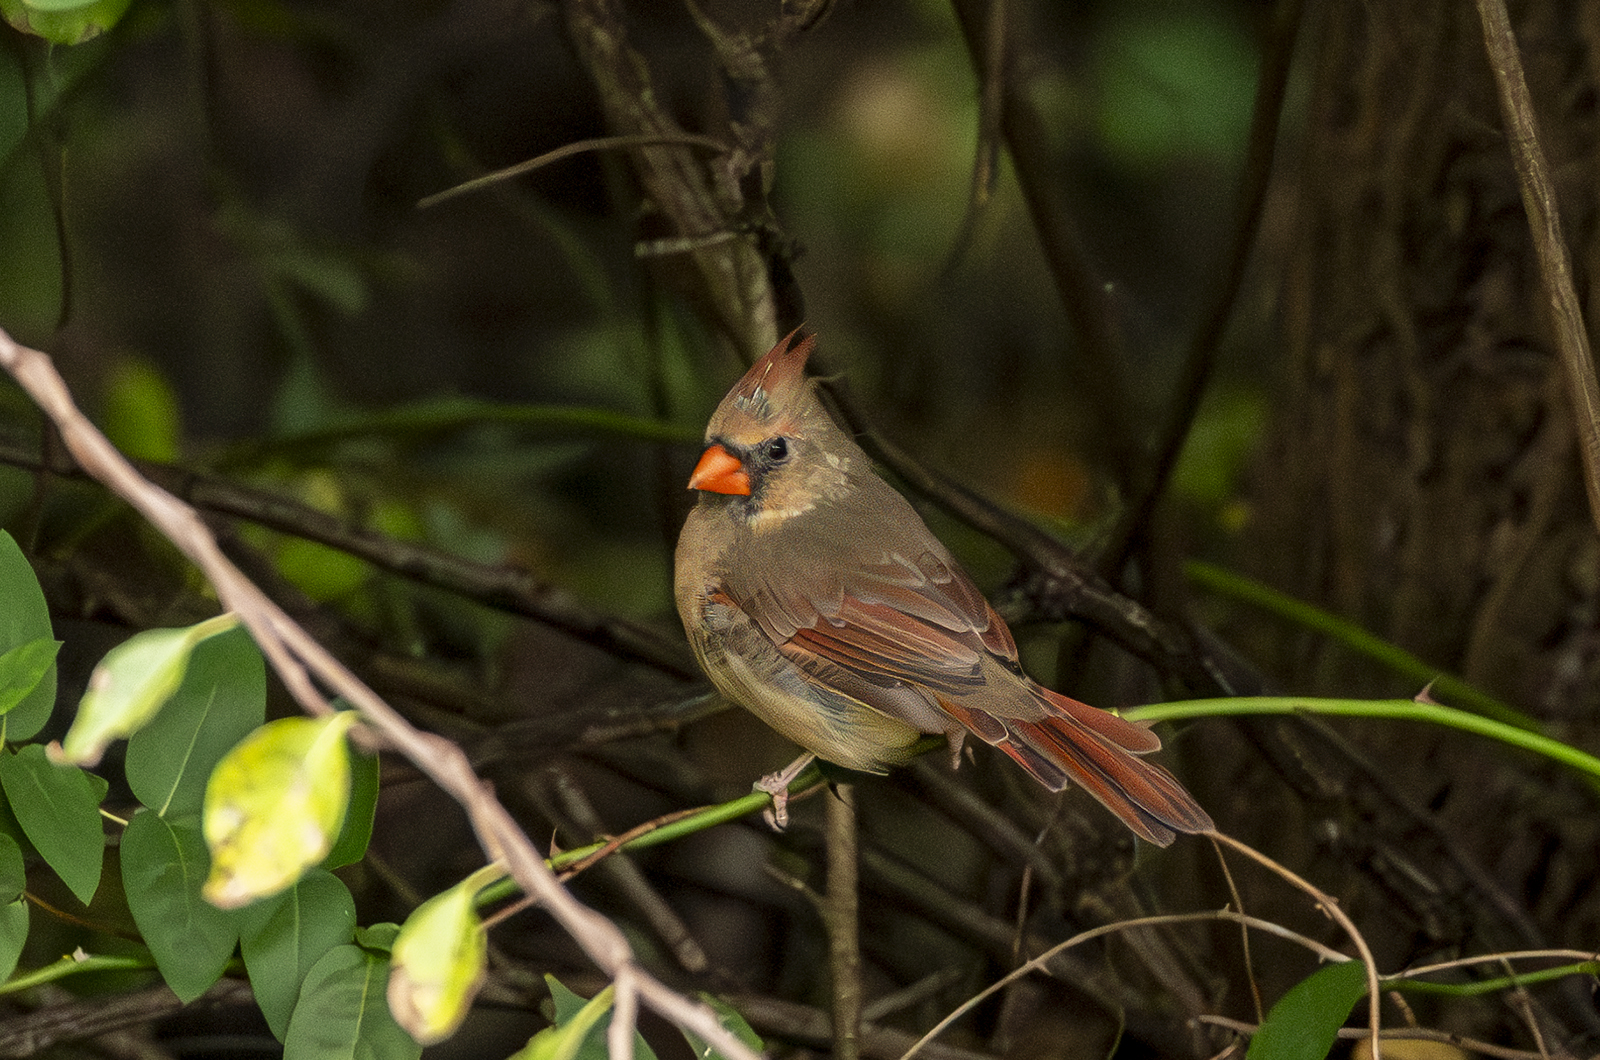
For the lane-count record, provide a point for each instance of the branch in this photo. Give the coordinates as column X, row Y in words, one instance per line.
column 1544, row 224
column 1085, row 295
column 704, row 212
column 1271, row 90
column 497, row 586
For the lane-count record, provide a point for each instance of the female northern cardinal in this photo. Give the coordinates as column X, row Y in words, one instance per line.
column 815, row 596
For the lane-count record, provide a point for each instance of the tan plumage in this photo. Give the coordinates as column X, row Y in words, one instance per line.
column 814, row 596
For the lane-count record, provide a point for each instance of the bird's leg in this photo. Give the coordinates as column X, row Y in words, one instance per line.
column 955, row 737
column 777, row 786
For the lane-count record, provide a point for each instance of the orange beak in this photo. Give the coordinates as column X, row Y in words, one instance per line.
column 720, row 472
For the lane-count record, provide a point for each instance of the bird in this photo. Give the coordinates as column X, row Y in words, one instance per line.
column 815, row 596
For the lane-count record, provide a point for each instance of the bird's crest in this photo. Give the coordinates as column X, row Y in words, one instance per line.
column 768, row 388
column 773, row 389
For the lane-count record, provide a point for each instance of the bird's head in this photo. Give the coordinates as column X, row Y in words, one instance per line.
column 771, row 440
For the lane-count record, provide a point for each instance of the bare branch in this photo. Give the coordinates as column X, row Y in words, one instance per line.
column 703, row 212
column 1550, row 246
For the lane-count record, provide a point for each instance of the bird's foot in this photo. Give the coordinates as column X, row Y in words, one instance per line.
column 776, row 785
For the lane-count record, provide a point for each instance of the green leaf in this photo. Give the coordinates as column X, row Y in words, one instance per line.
column 732, row 1021
column 579, row 1033
column 575, row 1041
column 305, row 922
column 342, row 1014
column 163, row 869
column 580, row 1030
column 274, row 806
column 13, row 908
column 13, row 935
column 133, row 681
column 13, row 873
column 23, row 620
column 351, row 846
column 439, row 960
column 64, row 21
column 11, row 828
column 58, row 808
column 22, row 668
column 379, row 938
column 223, row 697
column 1305, row 1022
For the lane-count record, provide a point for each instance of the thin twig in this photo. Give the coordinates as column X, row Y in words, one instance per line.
column 297, row 657
column 1271, row 91
column 1042, row 962
column 1496, row 958
column 1544, row 224
column 842, row 908
column 579, row 814
column 597, row 143
column 1329, row 906
column 1089, row 301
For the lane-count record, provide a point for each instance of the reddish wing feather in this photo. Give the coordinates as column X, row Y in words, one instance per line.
column 884, row 646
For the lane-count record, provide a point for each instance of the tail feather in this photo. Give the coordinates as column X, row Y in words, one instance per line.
column 1097, row 750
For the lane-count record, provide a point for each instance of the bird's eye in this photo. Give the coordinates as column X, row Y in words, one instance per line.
column 776, row 450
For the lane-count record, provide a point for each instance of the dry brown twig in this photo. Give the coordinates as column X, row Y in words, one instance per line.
column 1042, row 960
column 1324, row 901
column 1550, row 247
column 1330, row 907
column 301, row 662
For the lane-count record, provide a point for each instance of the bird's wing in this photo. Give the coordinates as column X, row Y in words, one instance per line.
column 889, row 612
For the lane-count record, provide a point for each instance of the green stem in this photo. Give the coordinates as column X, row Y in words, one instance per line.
column 74, row 966
column 1390, row 709
column 1491, row 986
column 1246, row 590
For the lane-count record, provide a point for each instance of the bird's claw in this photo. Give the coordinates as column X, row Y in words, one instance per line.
column 776, row 785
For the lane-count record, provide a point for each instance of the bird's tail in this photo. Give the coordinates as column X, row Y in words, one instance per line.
column 1097, row 750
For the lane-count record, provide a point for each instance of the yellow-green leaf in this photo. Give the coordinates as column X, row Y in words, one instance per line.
column 438, row 961
column 64, row 21
column 274, row 806
column 566, row 1039
column 131, row 684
